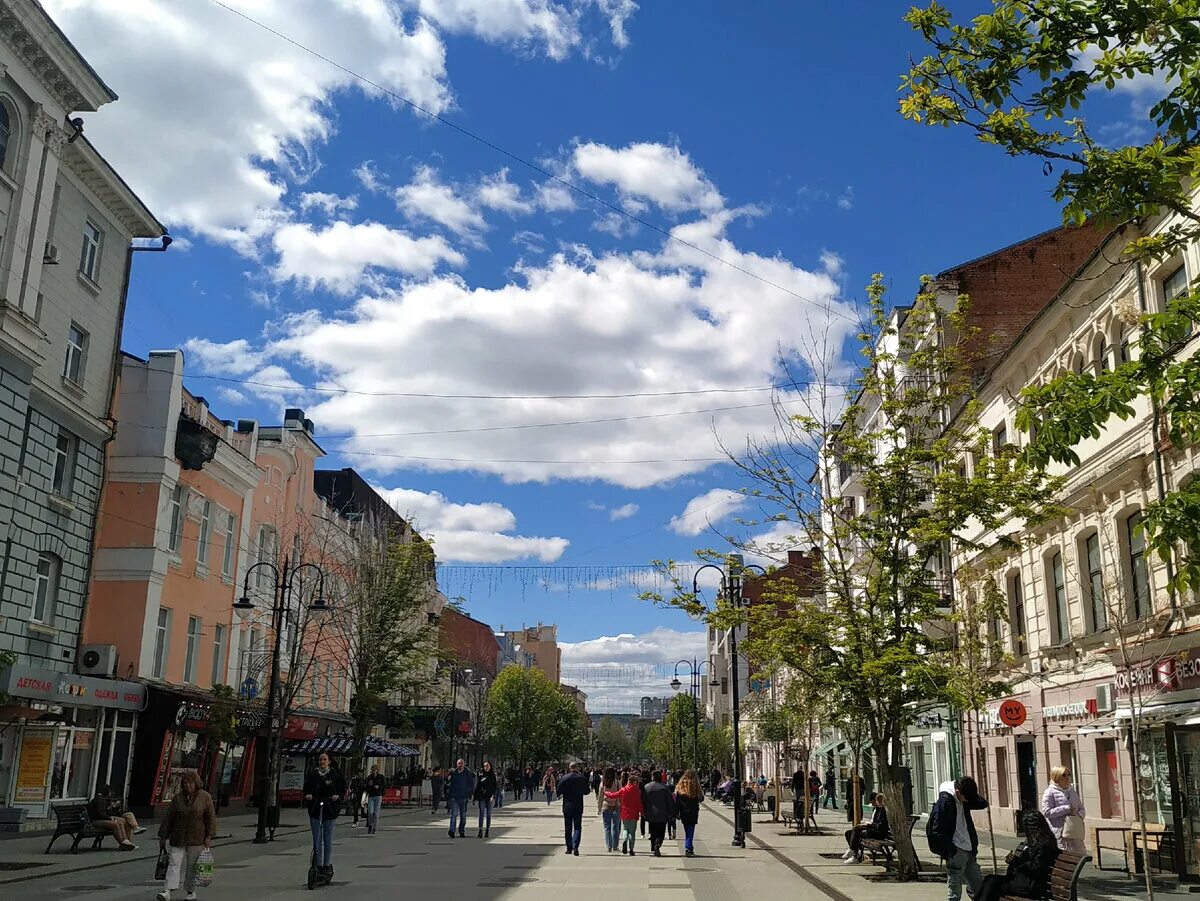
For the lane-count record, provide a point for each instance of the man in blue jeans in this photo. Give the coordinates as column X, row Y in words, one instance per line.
column 460, row 786
column 572, row 788
column 952, row 835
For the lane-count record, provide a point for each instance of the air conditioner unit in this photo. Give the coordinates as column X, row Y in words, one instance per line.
column 1104, row 699
column 50, row 255
column 97, row 660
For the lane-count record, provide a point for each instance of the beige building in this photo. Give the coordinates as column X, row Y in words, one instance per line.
column 535, row 646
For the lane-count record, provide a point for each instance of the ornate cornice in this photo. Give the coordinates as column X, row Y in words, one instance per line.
column 53, row 60
column 47, row 127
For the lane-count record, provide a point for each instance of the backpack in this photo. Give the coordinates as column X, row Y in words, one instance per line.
column 933, row 829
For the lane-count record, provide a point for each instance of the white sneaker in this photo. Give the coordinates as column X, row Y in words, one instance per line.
column 163, row 896
column 190, row 896
column 848, row 856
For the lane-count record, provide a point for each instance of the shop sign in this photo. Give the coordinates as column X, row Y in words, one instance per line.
column 1013, row 713
column 33, row 768
column 1076, row 710
column 194, row 717
column 301, row 727
column 1170, row 674
column 68, row 689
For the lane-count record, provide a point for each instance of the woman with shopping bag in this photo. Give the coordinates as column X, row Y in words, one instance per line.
column 1063, row 807
column 186, row 834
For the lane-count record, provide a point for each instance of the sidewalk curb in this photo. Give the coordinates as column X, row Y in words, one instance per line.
column 803, row 872
column 126, row 858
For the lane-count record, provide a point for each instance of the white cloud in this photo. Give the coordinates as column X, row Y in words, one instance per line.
column 470, row 533
column 625, row 511
column 525, row 22
column 329, row 204
column 832, row 263
column 240, row 132
column 617, row 671
column 705, row 509
column 658, row 646
column 770, row 547
column 554, row 197
column 659, row 173
column 341, row 255
column 846, row 198
column 618, row 12
column 613, row 223
column 368, row 176
column 496, row 192
column 232, row 358
column 427, row 198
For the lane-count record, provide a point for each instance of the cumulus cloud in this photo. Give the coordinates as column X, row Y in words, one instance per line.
column 625, row 511
column 472, row 532
column 705, row 509
column 230, row 358
column 846, row 198
column 641, row 172
column 427, row 199
column 657, row 646
column 496, row 192
column 342, row 255
column 329, row 204
column 617, row 671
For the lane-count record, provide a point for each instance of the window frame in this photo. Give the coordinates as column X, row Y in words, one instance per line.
column 219, row 650
column 178, row 504
column 162, row 643
column 91, row 251
column 7, row 130
column 194, row 630
column 1016, row 612
column 1095, row 582
column 1058, row 586
column 45, row 589
column 999, row 438
column 77, row 352
column 205, row 539
column 62, row 482
column 229, row 552
column 1141, row 603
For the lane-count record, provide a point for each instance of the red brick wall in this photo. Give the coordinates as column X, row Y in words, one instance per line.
column 473, row 643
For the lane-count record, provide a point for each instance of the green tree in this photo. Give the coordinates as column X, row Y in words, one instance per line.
column 612, row 744
column 861, row 641
column 532, row 721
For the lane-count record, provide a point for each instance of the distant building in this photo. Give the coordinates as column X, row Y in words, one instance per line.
column 655, row 708
column 535, row 646
column 579, row 697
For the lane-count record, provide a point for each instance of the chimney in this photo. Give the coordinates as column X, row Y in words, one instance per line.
column 293, row 418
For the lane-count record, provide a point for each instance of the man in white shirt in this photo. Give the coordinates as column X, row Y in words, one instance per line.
column 952, row 834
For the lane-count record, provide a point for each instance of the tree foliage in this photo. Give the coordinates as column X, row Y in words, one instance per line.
column 1022, row 78
column 531, row 720
column 612, row 744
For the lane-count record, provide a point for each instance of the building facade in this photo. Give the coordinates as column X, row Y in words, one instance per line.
column 539, row 645
column 68, row 224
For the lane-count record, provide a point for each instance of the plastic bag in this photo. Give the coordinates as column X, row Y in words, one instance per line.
column 203, row 870
column 164, row 861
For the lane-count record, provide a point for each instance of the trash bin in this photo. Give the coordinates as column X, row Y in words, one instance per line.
column 770, row 803
column 747, row 821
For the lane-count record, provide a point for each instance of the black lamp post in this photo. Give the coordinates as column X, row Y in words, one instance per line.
column 458, row 676
column 285, row 577
column 731, row 588
column 696, row 670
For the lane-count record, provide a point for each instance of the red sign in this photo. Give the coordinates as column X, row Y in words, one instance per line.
column 1013, row 713
column 299, row 727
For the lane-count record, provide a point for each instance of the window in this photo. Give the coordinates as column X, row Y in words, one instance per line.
column 65, row 448
column 25, row 439
column 45, row 588
column 1126, row 338
column 193, row 645
column 73, row 366
column 1139, row 582
column 162, row 638
column 1101, row 356
column 1058, row 585
column 1002, row 776
column 175, row 535
column 218, row 670
column 89, row 256
column 1095, row 569
column 205, row 532
column 1175, row 285
column 999, row 439
column 228, row 559
column 1016, row 603
column 5, row 134
column 1108, row 777
column 266, row 554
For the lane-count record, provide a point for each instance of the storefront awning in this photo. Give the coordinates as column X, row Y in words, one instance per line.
column 1184, row 713
column 341, row 744
column 826, row 747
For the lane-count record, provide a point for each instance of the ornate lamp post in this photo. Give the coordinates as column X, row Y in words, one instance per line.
column 695, row 670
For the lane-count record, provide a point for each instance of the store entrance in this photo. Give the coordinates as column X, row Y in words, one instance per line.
column 1027, row 775
column 1187, row 747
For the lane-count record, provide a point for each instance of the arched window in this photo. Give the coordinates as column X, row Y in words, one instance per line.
column 5, row 134
column 1101, row 361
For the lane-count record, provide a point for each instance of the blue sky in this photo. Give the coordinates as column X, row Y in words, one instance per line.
column 332, row 237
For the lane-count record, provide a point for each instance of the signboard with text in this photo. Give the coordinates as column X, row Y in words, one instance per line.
column 1167, row 674
column 33, row 769
column 39, row 684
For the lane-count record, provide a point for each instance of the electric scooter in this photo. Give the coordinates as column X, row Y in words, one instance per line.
column 317, row 879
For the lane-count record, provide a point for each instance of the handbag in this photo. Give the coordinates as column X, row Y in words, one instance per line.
column 1073, row 828
column 164, row 861
column 203, row 869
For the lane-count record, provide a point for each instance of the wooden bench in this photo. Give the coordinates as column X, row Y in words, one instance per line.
column 1064, row 878
column 74, row 820
column 886, row 847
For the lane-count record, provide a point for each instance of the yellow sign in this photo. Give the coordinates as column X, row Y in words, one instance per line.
column 34, row 768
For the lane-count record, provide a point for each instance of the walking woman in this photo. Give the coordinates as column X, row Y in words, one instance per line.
column 630, row 800
column 187, row 829
column 1062, row 806
column 485, row 793
column 610, row 808
column 688, row 795
column 324, row 789
column 549, row 781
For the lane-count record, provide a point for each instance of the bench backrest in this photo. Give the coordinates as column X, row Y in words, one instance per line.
column 1063, row 878
column 72, row 816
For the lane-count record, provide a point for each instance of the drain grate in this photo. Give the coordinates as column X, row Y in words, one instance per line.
column 20, row 865
column 697, row 870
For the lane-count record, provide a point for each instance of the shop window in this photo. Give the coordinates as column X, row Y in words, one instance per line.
column 1002, row 777
column 1108, row 778
column 1139, row 582
column 1058, row 586
column 1066, row 757
column 1016, row 612
column 1095, row 583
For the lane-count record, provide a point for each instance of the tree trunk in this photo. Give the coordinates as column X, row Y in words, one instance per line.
column 907, row 864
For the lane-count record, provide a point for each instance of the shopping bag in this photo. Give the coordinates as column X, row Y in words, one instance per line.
column 1073, row 828
column 203, row 870
column 164, row 861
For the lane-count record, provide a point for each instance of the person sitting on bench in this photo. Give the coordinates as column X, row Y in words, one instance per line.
column 877, row 828
column 102, row 811
column 1029, row 866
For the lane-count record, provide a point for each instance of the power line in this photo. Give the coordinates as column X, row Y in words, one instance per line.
column 583, row 192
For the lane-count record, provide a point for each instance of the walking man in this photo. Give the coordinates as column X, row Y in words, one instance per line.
column 530, row 780
column 459, row 788
column 375, row 787
column 436, row 783
column 660, row 810
column 596, row 780
column 572, row 788
column 952, row 835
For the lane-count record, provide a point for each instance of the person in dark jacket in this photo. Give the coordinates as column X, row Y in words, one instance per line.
column 830, row 789
column 1029, row 867
column 437, row 782
column 354, row 793
column 324, row 790
column 187, row 828
column 688, row 795
column 485, row 793
column 660, row 809
column 952, row 835
column 877, row 828
column 375, row 786
column 572, row 788
column 460, row 787
column 530, row 781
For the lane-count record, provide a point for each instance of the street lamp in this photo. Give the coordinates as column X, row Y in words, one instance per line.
column 285, row 578
column 731, row 588
column 458, row 677
column 696, row 670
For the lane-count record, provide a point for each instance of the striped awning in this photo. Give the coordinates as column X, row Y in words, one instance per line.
column 340, row 744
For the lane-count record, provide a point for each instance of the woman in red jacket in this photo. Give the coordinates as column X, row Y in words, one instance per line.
column 630, row 798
